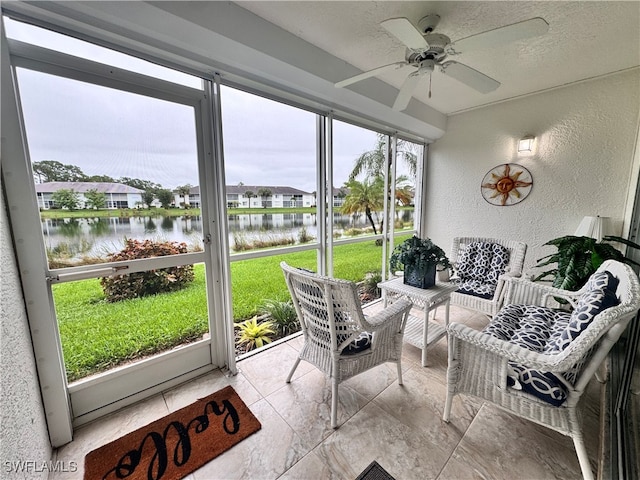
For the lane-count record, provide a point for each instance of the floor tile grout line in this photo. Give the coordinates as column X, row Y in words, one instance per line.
column 475, row 417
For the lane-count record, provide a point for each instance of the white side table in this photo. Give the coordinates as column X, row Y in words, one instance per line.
column 421, row 332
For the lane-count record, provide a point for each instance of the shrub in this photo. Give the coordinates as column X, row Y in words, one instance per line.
column 240, row 242
column 151, row 282
column 254, row 334
column 269, row 241
column 354, row 232
column 303, row 236
column 370, row 284
column 283, row 314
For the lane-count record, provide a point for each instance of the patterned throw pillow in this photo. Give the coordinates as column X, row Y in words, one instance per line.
column 599, row 295
column 480, row 265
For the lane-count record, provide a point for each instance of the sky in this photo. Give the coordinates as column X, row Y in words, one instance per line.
column 120, row 134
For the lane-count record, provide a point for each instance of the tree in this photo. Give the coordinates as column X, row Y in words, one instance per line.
column 264, row 193
column 95, row 199
column 140, row 184
column 99, row 178
column 404, row 191
column 372, row 163
column 184, row 191
column 64, row 198
column 53, row 171
column 147, row 197
column 366, row 196
column 165, row 197
column 249, row 194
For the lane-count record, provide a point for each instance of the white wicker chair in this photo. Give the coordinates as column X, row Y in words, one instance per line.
column 329, row 310
column 478, row 362
column 517, row 252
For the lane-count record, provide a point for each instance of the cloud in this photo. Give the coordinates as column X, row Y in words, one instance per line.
column 105, row 131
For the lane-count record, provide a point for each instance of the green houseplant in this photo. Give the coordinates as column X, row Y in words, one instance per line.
column 419, row 258
column 577, row 258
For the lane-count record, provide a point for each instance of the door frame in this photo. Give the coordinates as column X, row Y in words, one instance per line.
column 67, row 406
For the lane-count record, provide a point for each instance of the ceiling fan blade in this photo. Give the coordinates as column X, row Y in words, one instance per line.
column 370, row 73
column 406, row 91
column 470, row 77
column 502, row 35
column 403, row 30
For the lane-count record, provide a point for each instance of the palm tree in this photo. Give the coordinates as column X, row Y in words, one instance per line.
column 184, row 191
column 366, row 196
column 404, row 191
column 264, row 193
column 249, row 194
column 372, row 163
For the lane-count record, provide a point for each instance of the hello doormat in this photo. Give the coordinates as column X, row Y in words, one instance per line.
column 178, row 444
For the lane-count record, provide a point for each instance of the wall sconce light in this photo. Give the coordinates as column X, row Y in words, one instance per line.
column 525, row 144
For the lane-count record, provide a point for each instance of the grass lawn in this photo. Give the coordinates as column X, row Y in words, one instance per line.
column 97, row 335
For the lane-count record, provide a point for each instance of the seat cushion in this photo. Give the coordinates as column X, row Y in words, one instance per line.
column 534, row 328
column 475, row 288
column 479, row 267
column 360, row 344
column 546, row 330
column 529, row 326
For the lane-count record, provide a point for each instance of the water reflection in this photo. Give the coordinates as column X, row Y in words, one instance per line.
column 108, row 234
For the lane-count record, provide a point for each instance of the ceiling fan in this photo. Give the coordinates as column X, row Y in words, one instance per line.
column 426, row 50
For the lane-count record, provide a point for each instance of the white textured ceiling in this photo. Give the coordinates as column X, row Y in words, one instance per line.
column 585, row 40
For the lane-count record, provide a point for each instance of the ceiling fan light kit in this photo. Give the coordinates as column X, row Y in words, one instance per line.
column 426, row 50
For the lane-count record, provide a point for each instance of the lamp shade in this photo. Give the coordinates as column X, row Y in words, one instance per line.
column 594, row 227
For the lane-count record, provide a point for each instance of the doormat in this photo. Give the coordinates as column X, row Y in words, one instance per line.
column 177, row 444
column 374, row 472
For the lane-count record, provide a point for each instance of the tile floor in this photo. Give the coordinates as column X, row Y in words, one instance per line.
column 400, row 427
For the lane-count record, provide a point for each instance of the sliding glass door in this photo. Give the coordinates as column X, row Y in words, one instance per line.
column 125, row 186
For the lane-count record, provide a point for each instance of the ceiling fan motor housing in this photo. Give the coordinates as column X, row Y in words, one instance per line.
column 434, row 51
column 428, row 24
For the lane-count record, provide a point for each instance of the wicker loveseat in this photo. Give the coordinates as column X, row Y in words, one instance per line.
column 480, row 267
column 338, row 339
column 535, row 361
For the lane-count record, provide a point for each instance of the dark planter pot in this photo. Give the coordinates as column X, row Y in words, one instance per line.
column 421, row 278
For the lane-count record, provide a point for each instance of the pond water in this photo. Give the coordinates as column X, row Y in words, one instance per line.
column 98, row 236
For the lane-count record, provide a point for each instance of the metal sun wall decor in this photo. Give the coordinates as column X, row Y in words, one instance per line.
column 506, row 184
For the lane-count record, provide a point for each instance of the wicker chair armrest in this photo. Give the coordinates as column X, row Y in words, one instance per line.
column 506, row 275
column 520, row 290
column 557, row 363
column 392, row 315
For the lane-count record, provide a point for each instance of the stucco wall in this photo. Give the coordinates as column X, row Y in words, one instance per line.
column 585, row 136
column 23, row 431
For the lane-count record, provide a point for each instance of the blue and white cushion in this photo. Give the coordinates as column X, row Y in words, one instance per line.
column 478, row 269
column 360, row 344
column 547, row 330
column 598, row 296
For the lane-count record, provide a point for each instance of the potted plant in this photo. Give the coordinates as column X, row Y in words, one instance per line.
column 578, row 257
column 419, row 259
